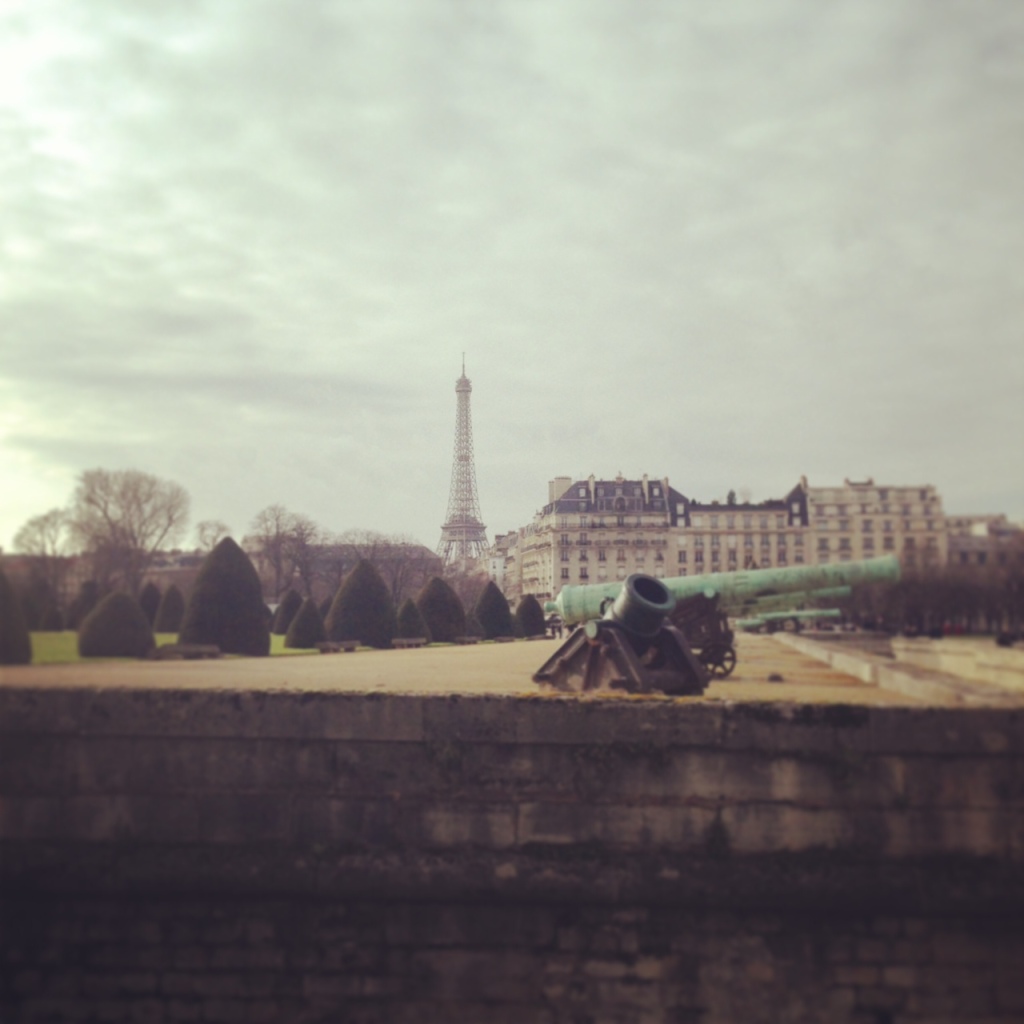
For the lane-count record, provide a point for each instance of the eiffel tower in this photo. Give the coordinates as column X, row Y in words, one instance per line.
column 463, row 536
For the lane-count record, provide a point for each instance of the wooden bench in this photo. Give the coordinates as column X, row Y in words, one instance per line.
column 336, row 646
column 188, row 652
column 401, row 642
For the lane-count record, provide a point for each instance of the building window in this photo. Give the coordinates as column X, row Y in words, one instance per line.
column 698, row 542
column 763, row 522
column 714, row 556
column 565, row 556
column 602, row 555
column 868, row 525
column 583, row 573
column 565, row 574
column 730, row 522
column 620, row 555
column 714, row 522
column 732, row 557
column 887, row 526
column 698, row 522
column 823, row 543
column 698, row 557
column 748, row 540
column 844, row 525
column 888, row 543
column 682, row 558
column 844, row 543
column 716, row 540
column 869, row 543
column 583, row 492
column 620, row 520
column 766, row 541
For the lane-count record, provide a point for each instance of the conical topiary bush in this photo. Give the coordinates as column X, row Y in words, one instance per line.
column 442, row 611
column 87, row 599
column 411, row 624
column 306, row 628
column 492, row 612
column 362, row 609
column 171, row 611
column 149, row 600
column 530, row 616
column 290, row 604
column 116, row 628
column 15, row 642
column 226, row 607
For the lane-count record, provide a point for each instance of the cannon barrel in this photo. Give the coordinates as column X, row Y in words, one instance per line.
column 765, row 618
column 783, row 602
column 577, row 604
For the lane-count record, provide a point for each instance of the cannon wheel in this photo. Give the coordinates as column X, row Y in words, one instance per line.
column 719, row 660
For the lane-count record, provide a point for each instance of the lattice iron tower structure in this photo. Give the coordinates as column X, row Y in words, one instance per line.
column 463, row 536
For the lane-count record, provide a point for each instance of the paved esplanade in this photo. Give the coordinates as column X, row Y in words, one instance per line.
column 486, row 668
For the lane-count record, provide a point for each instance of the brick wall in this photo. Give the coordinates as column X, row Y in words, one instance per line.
column 212, row 856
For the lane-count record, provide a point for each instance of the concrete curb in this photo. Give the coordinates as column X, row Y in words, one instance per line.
column 927, row 685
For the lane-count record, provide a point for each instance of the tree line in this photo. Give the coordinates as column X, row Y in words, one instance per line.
column 121, row 523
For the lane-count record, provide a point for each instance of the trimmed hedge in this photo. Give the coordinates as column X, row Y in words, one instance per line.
column 411, row 623
column 15, row 642
column 290, row 604
column 87, row 599
column 226, row 607
column 149, row 600
column 442, row 611
column 530, row 616
column 171, row 611
column 362, row 609
column 306, row 629
column 116, row 628
column 493, row 613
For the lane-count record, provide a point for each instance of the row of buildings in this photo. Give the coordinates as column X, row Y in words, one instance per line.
column 599, row 531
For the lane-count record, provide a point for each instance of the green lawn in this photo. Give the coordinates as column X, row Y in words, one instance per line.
column 62, row 648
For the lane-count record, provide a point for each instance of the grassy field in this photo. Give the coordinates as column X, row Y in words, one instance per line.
column 62, row 648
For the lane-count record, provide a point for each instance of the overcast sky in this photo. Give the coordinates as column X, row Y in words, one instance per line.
column 244, row 244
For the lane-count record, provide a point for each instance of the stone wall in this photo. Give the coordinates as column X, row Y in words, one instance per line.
column 219, row 856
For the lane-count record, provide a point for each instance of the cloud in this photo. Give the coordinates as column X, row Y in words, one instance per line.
column 246, row 244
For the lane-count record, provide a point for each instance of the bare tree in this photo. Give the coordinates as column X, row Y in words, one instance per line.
column 123, row 517
column 43, row 538
column 287, row 548
column 303, row 543
column 210, row 532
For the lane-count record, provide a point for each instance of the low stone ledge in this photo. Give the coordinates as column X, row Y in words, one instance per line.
column 565, row 721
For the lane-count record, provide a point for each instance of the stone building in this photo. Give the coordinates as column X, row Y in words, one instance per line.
column 599, row 531
column 862, row 519
column 984, row 541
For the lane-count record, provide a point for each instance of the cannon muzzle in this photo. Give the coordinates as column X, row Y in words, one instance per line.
column 641, row 606
column 631, row 647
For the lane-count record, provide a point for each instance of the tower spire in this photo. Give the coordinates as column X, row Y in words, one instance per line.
column 463, row 536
